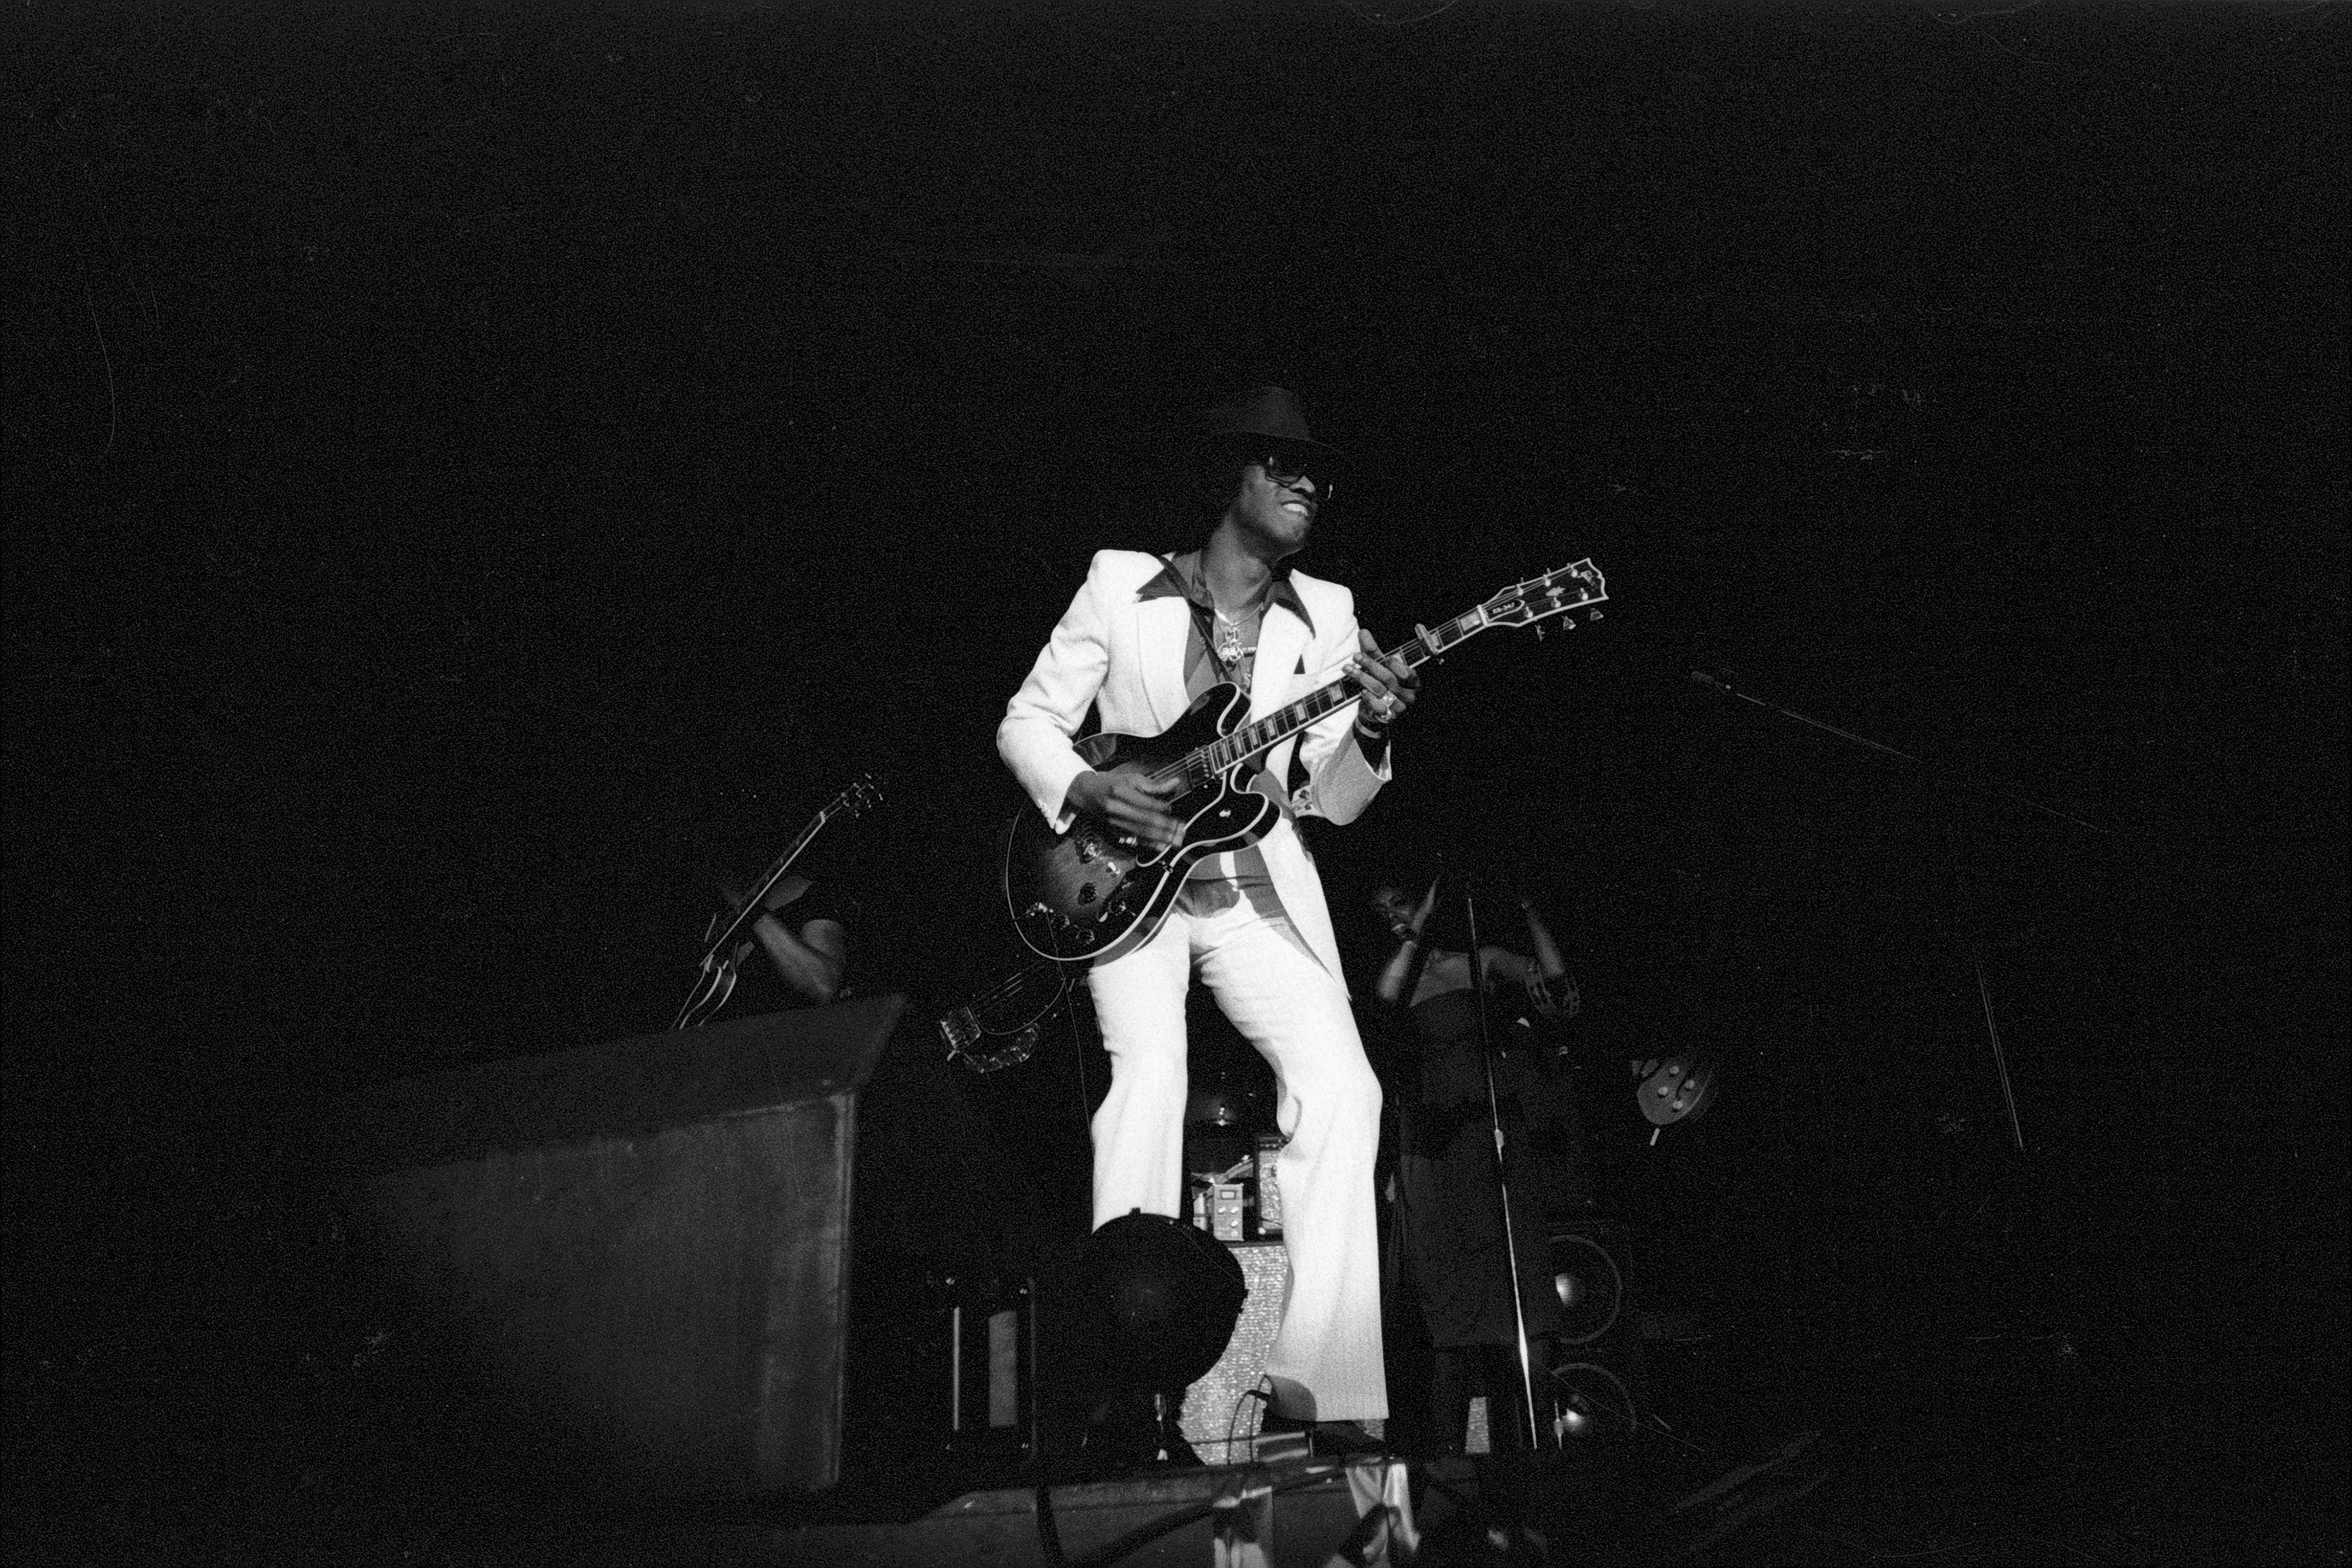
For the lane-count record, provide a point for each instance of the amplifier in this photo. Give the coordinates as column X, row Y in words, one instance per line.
column 991, row 1330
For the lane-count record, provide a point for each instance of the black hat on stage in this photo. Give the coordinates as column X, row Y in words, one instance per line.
column 1261, row 414
column 1203, row 448
column 1245, row 428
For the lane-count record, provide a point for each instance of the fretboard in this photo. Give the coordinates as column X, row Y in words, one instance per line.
column 755, row 905
column 1202, row 763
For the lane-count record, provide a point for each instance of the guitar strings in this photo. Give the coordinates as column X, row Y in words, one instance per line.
column 1012, row 984
column 1275, row 727
column 1272, row 730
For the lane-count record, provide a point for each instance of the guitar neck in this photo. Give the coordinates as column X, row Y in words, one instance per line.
column 754, row 905
column 1279, row 726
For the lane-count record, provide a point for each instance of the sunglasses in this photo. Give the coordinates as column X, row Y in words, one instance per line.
column 1288, row 468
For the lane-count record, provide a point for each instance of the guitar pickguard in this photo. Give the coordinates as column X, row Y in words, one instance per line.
column 1089, row 892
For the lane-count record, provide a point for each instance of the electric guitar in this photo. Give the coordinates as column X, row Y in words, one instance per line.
column 1092, row 892
column 717, row 981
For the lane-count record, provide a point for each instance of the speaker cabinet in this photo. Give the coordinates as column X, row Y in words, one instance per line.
column 640, row 1251
column 1596, row 1377
column 1599, row 1381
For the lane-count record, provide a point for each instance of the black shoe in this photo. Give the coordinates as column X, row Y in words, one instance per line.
column 1344, row 1439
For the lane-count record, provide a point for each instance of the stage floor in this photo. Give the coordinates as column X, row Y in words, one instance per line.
column 1952, row 1443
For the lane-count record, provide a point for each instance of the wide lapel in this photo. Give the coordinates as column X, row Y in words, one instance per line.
column 1281, row 639
column 1161, row 626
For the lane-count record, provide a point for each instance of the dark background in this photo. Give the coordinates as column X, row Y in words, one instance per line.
column 465, row 463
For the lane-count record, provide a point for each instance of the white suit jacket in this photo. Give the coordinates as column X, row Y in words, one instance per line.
column 1125, row 657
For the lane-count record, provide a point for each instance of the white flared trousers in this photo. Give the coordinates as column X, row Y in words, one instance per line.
column 1325, row 1363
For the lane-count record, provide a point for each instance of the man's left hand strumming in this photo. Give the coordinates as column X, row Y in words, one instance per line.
column 1389, row 685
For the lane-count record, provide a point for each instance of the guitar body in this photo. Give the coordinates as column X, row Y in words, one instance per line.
column 710, row 992
column 1086, row 894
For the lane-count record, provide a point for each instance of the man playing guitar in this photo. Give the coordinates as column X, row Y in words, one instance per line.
column 1143, row 638
column 802, row 933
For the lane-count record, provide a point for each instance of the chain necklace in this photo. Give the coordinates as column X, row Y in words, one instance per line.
column 1231, row 650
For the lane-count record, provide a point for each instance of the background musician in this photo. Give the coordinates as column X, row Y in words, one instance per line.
column 1456, row 1265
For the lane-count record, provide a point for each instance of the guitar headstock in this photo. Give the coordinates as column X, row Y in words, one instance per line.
column 1555, row 592
column 863, row 795
column 1676, row 1087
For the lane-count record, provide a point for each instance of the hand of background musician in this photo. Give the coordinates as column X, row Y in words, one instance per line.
column 1131, row 803
column 1389, row 684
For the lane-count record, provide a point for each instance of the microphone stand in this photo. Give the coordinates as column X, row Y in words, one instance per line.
column 1502, row 1176
column 1726, row 687
column 1976, row 949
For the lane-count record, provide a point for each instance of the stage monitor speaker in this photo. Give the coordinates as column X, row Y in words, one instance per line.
column 640, row 1250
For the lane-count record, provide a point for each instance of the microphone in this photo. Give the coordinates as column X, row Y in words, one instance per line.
column 1705, row 679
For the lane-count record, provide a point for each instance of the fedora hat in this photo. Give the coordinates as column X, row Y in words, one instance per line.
column 1272, row 413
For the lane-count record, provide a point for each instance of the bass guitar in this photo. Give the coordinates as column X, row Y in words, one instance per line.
column 1092, row 892
column 1000, row 1027
column 717, row 981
